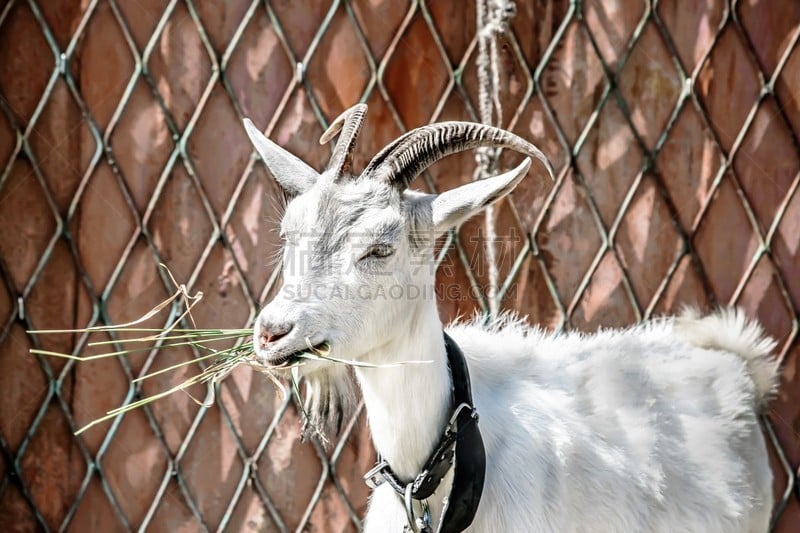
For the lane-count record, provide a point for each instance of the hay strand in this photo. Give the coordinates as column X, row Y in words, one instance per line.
column 222, row 361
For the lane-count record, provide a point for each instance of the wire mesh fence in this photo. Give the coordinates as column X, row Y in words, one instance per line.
column 673, row 127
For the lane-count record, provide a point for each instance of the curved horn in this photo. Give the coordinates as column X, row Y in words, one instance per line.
column 409, row 155
column 349, row 122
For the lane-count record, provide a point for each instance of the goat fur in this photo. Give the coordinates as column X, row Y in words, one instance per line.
column 651, row 428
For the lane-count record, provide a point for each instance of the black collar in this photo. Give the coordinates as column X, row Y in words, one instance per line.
column 460, row 443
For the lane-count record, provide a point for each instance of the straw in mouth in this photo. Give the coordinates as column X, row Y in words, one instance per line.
column 221, row 362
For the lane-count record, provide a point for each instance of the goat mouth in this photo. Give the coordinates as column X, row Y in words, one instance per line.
column 292, row 358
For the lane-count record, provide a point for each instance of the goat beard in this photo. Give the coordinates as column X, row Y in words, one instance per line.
column 329, row 404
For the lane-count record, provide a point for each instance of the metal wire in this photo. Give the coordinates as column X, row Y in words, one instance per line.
column 533, row 77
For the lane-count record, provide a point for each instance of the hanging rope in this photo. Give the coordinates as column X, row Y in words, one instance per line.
column 493, row 19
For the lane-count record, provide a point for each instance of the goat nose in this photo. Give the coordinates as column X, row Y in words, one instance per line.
column 273, row 333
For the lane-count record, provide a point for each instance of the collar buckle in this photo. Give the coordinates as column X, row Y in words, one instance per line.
column 417, row 524
column 451, row 425
column 375, row 477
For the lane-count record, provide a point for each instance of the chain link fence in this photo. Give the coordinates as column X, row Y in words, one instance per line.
column 673, row 126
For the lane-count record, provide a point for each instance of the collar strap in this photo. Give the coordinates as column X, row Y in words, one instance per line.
column 461, row 443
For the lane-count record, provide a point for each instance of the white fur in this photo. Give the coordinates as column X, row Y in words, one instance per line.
column 653, row 428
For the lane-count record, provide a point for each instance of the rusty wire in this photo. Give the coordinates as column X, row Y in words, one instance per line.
column 536, row 91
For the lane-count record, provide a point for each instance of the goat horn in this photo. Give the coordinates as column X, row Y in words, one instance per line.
column 409, row 155
column 349, row 122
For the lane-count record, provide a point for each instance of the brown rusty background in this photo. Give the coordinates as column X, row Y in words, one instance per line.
column 673, row 126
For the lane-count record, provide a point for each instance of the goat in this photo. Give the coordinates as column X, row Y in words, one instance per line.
column 651, row 428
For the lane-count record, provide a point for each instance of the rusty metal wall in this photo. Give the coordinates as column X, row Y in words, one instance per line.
column 673, row 126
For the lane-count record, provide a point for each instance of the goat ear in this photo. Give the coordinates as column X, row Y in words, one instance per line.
column 453, row 207
column 291, row 172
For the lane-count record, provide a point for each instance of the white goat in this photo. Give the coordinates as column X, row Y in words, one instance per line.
column 652, row 428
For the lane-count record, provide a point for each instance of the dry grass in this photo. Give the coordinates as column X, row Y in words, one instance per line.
column 221, row 362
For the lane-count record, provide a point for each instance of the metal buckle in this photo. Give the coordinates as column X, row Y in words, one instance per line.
column 374, row 478
column 451, row 426
column 417, row 524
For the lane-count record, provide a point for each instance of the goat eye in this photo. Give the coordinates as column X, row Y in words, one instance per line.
column 378, row 251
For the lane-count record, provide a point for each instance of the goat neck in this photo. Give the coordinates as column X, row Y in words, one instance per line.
column 408, row 405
